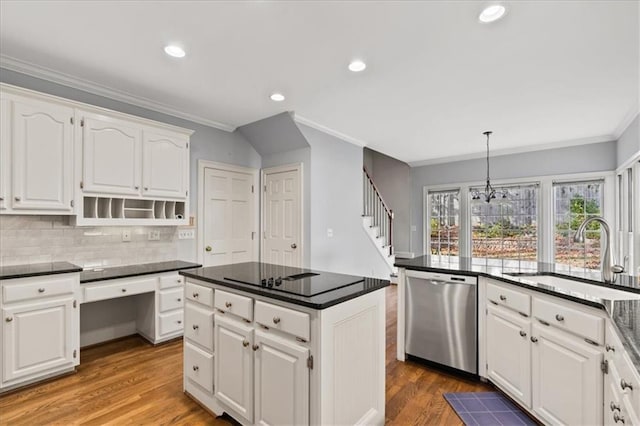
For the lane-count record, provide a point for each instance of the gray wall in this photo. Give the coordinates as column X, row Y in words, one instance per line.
column 629, row 142
column 575, row 159
column 393, row 179
column 274, row 134
column 207, row 143
column 336, row 203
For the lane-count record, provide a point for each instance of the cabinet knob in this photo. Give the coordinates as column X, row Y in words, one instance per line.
column 146, row 188
column 625, row 385
column 179, row 321
column 255, row 347
column 41, row 290
column 1, row 198
column 17, row 198
column 559, row 317
column 179, row 299
column 196, row 368
column 227, row 304
column 195, row 326
column 294, row 246
column 503, row 297
column 618, row 418
column 613, row 406
column 523, row 333
column 124, row 290
column 179, row 280
column 136, row 187
column 534, row 339
column 276, row 320
column 207, row 248
column 9, row 319
column 245, row 343
column 609, row 348
column 195, row 295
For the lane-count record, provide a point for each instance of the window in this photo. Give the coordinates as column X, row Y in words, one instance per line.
column 444, row 222
column 506, row 228
column 574, row 202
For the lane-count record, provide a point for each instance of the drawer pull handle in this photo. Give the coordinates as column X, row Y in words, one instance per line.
column 41, row 290
column 523, row 333
column 610, row 348
column 245, row 343
column 179, row 321
column 9, row 319
column 625, row 385
column 196, row 368
column 195, row 295
column 195, row 326
column 534, row 339
column 543, row 322
column 613, row 406
column 227, row 304
column 124, row 290
column 618, row 418
column 503, row 297
column 255, row 347
column 276, row 320
column 559, row 317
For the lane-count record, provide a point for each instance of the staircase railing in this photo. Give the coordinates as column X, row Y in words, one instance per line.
column 375, row 207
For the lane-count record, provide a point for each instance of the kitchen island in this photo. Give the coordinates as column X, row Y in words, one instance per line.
column 270, row 344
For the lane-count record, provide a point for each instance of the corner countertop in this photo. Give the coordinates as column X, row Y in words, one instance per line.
column 37, row 269
column 91, row 275
column 625, row 314
column 337, row 288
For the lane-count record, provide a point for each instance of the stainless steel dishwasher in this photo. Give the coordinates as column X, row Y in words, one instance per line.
column 441, row 319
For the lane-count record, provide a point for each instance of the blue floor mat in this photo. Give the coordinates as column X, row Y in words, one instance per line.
column 486, row 408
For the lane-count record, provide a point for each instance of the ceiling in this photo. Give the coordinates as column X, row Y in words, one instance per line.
column 547, row 74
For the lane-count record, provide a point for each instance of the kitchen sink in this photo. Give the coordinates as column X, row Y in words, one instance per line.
column 578, row 288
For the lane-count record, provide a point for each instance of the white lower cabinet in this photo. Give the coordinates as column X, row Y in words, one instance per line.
column 567, row 379
column 281, row 381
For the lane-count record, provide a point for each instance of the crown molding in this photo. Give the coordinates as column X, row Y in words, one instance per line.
column 327, row 130
column 626, row 121
column 53, row 76
column 519, row 150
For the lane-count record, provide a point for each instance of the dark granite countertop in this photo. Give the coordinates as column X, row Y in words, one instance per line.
column 36, row 269
column 327, row 288
column 625, row 314
column 91, row 276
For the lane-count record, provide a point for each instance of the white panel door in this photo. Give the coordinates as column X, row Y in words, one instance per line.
column 111, row 155
column 37, row 338
column 567, row 380
column 42, row 152
column 233, row 365
column 165, row 165
column 509, row 353
column 281, row 381
column 5, row 152
column 229, row 217
column 282, row 217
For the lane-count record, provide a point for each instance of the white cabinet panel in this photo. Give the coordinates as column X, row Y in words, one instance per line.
column 567, row 380
column 509, row 353
column 165, row 165
column 42, row 154
column 111, row 155
column 5, row 151
column 281, row 381
column 233, row 362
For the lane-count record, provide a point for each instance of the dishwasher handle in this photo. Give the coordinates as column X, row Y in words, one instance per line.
column 446, row 278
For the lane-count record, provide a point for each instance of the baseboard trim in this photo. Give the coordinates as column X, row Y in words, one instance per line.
column 404, row 254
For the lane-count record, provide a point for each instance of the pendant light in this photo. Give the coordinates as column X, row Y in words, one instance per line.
column 489, row 192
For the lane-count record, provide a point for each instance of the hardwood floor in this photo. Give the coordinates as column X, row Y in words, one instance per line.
column 131, row 382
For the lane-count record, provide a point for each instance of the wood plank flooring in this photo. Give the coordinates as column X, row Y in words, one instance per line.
column 131, row 382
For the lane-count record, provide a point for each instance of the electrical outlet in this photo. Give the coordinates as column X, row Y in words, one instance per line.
column 126, row 235
column 154, row 235
column 329, row 233
column 186, row 234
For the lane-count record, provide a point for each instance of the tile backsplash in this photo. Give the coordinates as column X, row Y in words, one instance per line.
column 34, row 239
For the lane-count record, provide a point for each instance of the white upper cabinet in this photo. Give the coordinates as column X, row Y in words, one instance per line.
column 165, row 164
column 37, row 156
column 111, row 155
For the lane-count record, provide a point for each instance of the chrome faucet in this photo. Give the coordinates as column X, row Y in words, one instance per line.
column 608, row 264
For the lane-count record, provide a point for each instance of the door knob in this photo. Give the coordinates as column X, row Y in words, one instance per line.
column 207, row 248
column 294, row 246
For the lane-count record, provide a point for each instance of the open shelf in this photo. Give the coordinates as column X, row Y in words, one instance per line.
column 133, row 211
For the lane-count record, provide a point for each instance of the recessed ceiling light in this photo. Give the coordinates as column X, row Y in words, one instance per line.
column 492, row 13
column 175, row 51
column 277, row 97
column 357, row 66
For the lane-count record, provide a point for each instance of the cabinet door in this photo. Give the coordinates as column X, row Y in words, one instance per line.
column 42, row 153
column 5, row 152
column 509, row 353
column 165, row 165
column 567, row 380
column 38, row 338
column 112, row 155
column 281, row 381
column 233, row 361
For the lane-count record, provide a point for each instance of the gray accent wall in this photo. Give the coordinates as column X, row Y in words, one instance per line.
column 576, row 159
column 393, row 179
column 629, row 142
column 273, row 135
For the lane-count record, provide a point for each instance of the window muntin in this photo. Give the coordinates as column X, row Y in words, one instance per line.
column 444, row 223
column 573, row 203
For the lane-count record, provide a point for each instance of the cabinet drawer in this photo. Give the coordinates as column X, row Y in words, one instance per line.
column 570, row 319
column 198, row 366
column 198, row 325
column 171, row 299
column 513, row 299
column 119, row 289
column 199, row 294
column 169, row 281
column 284, row 319
column 170, row 323
column 234, row 304
column 25, row 289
